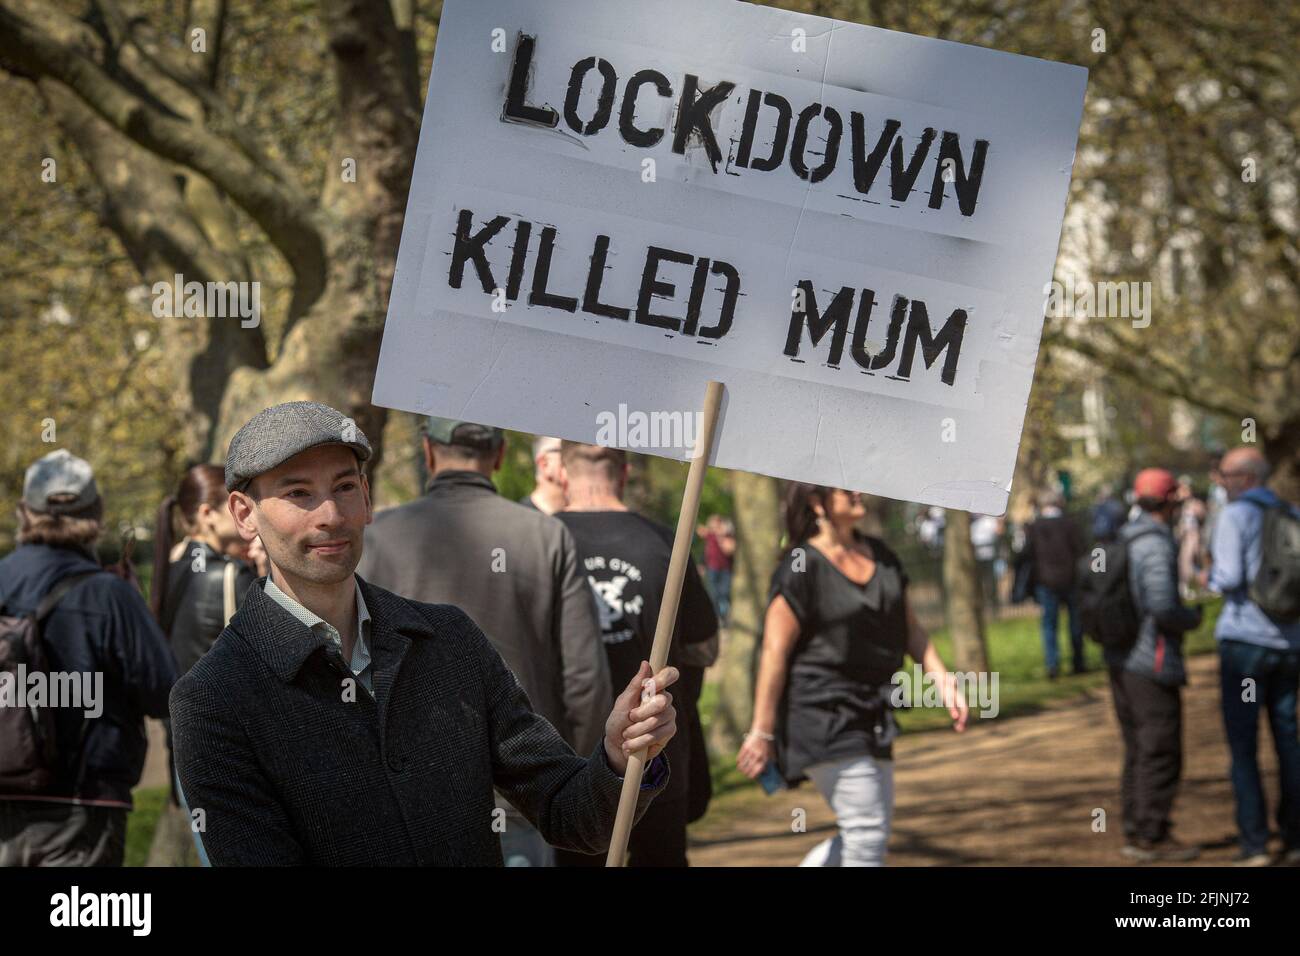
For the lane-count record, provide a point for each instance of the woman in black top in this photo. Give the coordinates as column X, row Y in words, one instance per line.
column 189, row 593
column 837, row 628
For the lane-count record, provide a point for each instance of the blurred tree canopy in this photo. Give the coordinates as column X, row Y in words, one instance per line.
column 1185, row 177
column 216, row 141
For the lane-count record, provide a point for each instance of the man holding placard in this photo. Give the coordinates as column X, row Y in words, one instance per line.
column 335, row 723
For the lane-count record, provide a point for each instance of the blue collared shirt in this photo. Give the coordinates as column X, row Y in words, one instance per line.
column 1236, row 552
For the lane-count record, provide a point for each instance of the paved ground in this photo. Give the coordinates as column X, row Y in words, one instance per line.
column 1012, row 792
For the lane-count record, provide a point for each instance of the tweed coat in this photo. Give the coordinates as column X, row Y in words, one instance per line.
column 291, row 765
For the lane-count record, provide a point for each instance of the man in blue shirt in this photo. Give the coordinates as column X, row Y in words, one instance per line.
column 1259, row 661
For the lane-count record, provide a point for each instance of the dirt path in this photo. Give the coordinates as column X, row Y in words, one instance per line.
column 1007, row 792
column 155, row 773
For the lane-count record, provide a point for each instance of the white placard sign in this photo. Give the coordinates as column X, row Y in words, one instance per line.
column 615, row 202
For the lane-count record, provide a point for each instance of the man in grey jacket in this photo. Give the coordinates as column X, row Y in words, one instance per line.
column 1146, row 679
column 515, row 572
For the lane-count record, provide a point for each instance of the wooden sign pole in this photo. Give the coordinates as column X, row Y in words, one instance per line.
column 668, row 611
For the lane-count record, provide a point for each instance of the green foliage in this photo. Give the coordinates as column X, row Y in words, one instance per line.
column 1180, row 97
column 514, row 479
column 82, row 364
column 142, row 821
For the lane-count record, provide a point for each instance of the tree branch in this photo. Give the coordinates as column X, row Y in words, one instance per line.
column 190, row 75
column 1127, row 366
column 288, row 216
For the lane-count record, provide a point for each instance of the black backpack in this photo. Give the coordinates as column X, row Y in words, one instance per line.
column 29, row 757
column 1107, row 610
column 1276, row 588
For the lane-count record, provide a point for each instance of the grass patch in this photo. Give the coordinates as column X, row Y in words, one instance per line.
column 1015, row 649
column 722, row 767
column 142, row 821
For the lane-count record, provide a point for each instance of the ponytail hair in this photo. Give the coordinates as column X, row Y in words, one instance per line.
column 200, row 485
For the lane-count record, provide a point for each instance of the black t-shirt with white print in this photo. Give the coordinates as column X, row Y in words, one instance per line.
column 625, row 557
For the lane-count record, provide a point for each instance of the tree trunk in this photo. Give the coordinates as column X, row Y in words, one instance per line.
column 964, row 603
column 758, row 536
column 173, row 160
column 170, row 221
column 330, row 353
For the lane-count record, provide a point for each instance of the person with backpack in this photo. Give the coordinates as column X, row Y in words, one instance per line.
column 1106, row 515
column 1255, row 565
column 66, row 772
column 1141, row 631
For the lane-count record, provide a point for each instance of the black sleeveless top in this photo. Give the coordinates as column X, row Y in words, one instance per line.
column 852, row 639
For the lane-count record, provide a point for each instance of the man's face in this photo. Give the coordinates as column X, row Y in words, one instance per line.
column 1235, row 476
column 310, row 513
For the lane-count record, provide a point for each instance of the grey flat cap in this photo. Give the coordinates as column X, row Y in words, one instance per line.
column 276, row 434
column 60, row 474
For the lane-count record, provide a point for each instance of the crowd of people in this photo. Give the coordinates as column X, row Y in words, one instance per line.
column 1174, row 548
column 461, row 678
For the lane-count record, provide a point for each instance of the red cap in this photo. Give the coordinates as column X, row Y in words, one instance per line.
column 1154, row 483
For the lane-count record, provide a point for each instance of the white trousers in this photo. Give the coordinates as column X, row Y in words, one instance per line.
column 860, row 790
